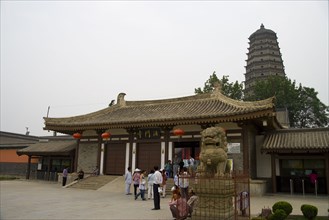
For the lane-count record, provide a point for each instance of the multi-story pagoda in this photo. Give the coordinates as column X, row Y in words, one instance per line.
column 264, row 58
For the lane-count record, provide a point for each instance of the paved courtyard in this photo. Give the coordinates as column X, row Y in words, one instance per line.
column 23, row 199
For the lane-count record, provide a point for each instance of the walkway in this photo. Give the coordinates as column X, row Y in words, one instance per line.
column 22, row 199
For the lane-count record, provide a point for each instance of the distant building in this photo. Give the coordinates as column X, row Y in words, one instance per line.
column 264, row 58
column 10, row 162
column 35, row 157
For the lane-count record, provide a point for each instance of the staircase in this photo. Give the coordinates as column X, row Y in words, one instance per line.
column 169, row 185
column 93, row 182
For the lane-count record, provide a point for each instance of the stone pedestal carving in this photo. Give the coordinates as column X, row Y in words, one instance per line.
column 213, row 186
column 215, row 198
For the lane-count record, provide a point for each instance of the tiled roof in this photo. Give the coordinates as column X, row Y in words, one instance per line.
column 49, row 148
column 204, row 108
column 11, row 140
column 297, row 140
column 262, row 30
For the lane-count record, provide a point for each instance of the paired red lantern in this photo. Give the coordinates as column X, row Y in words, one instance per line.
column 106, row 135
column 77, row 135
column 178, row 132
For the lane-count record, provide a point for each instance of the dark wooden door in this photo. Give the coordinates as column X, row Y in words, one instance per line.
column 148, row 155
column 115, row 156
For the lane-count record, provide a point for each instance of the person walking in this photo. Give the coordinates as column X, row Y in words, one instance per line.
column 136, row 176
column 164, row 183
column 150, row 181
column 314, row 180
column 142, row 185
column 168, row 169
column 191, row 165
column 175, row 165
column 128, row 180
column 156, row 185
column 65, row 173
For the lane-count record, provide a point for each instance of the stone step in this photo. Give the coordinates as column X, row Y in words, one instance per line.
column 93, row 182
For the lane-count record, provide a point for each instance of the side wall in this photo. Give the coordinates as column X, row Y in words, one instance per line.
column 12, row 164
column 263, row 164
column 263, row 160
column 87, row 158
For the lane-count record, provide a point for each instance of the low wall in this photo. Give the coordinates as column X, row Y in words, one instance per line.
column 70, row 178
column 257, row 187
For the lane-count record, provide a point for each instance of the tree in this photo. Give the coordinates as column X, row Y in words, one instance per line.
column 305, row 109
column 232, row 90
column 312, row 112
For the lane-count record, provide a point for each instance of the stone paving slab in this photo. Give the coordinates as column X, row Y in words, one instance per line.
column 24, row 199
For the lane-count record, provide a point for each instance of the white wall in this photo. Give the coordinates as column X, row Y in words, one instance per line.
column 263, row 160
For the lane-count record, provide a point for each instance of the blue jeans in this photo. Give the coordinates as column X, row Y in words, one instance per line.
column 142, row 193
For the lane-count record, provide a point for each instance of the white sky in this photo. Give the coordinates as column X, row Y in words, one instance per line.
column 76, row 56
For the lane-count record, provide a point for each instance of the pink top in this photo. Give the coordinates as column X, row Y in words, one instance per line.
column 181, row 205
column 313, row 177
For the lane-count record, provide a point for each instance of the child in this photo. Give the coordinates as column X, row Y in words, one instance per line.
column 142, row 187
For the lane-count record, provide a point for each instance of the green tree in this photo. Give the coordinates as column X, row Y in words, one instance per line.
column 232, row 90
column 305, row 109
column 312, row 112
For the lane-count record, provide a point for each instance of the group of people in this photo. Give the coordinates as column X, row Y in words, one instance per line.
column 173, row 167
column 142, row 182
column 183, row 201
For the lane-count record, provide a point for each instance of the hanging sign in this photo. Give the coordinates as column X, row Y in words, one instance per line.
column 149, row 133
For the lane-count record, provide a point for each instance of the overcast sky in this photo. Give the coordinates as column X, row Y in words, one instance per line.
column 77, row 56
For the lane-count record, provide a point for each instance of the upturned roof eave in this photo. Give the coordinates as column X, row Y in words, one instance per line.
column 215, row 95
column 70, row 128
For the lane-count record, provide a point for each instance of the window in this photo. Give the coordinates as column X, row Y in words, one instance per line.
column 301, row 167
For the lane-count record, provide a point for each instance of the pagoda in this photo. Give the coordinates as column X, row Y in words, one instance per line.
column 264, row 58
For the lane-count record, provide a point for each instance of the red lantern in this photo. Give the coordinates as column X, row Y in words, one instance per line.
column 77, row 135
column 178, row 132
column 106, row 135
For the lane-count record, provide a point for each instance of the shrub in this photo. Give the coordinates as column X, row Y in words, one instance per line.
column 309, row 211
column 285, row 206
column 7, row 177
column 279, row 214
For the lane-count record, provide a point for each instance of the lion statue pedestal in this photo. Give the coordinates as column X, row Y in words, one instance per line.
column 213, row 186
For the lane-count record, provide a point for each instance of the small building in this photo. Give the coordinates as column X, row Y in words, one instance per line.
column 53, row 155
column 10, row 162
column 294, row 154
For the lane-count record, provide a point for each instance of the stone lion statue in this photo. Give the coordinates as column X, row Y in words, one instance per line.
column 213, row 155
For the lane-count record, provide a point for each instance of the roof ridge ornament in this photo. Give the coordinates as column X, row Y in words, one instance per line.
column 217, row 86
column 121, row 99
column 217, row 89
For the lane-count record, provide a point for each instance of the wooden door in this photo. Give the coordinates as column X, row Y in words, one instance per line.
column 148, row 155
column 115, row 156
